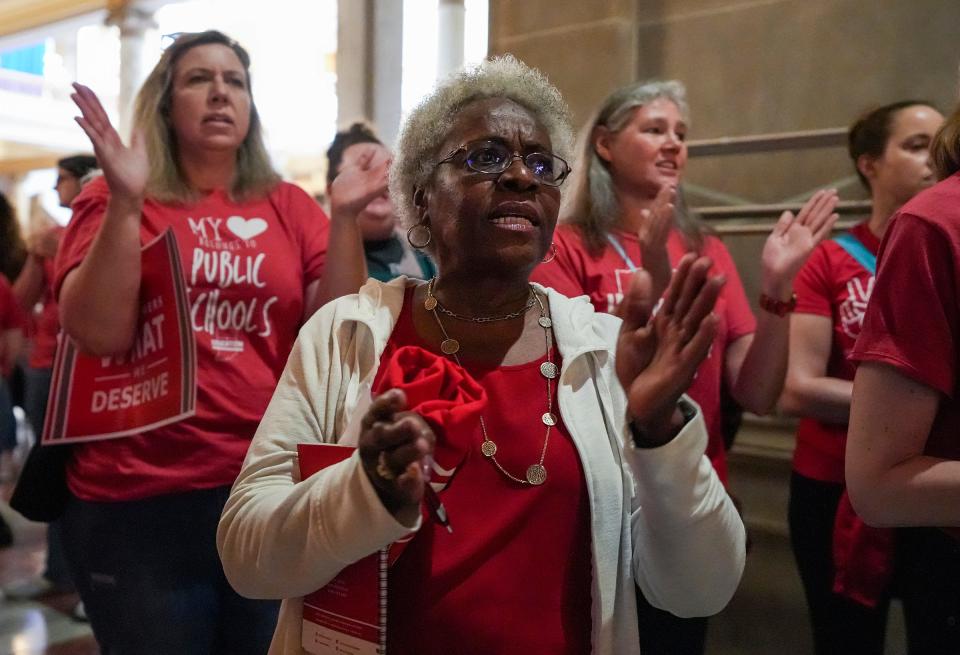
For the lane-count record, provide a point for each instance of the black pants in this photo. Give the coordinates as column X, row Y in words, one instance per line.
column 840, row 626
column 662, row 633
column 151, row 580
column 928, row 581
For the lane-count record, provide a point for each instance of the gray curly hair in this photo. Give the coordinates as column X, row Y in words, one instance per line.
column 429, row 124
column 592, row 203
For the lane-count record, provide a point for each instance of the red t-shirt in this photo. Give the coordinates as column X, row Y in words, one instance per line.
column 246, row 266
column 832, row 284
column 514, row 577
column 11, row 318
column 913, row 320
column 605, row 279
column 47, row 324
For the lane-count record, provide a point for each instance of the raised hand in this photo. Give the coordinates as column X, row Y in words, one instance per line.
column 793, row 239
column 653, row 234
column 124, row 168
column 658, row 357
column 393, row 445
column 360, row 181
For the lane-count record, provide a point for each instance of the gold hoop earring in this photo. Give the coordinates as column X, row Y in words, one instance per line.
column 417, row 230
column 553, row 254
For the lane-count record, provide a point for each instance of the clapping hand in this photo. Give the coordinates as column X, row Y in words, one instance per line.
column 125, row 168
column 394, row 445
column 793, row 239
column 654, row 231
column 360, row 181
column 657, row 357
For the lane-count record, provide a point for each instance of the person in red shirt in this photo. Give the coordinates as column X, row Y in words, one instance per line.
column 890, row 148
column 903, row 443
column 34, row 287
column 565, row 490
column 622, row 216
column 259, row 256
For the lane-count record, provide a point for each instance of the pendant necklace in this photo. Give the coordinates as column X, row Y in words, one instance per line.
column 536, row 474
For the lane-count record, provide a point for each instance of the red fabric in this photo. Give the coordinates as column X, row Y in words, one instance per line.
column 519, row 557
column 11, row 317
column 863, row 556
column 246, row 267
column 913, row 320
column 441, row 392
column 832, row 284
column 48, row 323
column 575, row 272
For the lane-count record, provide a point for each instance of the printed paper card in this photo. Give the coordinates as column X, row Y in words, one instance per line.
column 349, row 613
column 93, row 398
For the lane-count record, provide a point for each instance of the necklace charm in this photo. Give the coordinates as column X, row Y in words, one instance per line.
column 450, row 346
column 489, row 449
column 430, row 303
column 545, row 322
column 549, row 419
column 547, row 370
column 536, row 474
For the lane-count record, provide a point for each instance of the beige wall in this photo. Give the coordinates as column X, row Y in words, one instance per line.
column 751, row 67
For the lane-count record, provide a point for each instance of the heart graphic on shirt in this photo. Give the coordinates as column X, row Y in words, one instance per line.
column 246, row 229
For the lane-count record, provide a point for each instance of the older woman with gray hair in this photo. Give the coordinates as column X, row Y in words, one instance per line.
column 582, row 476
column 625, row 213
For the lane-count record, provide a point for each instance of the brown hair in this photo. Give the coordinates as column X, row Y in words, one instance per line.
column 254, row 175
column 870, row 132
column 945, row 149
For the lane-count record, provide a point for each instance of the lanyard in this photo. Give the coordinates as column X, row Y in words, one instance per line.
column 623, row 253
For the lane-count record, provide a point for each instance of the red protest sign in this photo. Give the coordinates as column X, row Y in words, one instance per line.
column 154, row 384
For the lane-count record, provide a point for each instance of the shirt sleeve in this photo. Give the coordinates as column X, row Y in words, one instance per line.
column 314, row 229
column 563, row 273
column 911, row 320
column 88, row 212
column 813, row 284
column 740, row 318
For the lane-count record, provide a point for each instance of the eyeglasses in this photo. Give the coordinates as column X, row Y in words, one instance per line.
column 493, row 158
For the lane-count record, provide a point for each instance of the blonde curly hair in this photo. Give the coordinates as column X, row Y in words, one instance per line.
column 429, row 124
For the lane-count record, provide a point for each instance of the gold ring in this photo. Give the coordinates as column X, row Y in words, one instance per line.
column 382, row 469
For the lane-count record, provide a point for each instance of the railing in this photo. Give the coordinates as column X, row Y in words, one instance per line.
column 783, row 141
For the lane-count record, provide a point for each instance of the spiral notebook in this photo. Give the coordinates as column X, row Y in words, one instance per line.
column 349, row 613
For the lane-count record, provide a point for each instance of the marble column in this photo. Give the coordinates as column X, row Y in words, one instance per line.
column 450, row 26
column 134, row 22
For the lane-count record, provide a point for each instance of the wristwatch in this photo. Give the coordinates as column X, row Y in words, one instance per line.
column 638, row 439
column 779, row 307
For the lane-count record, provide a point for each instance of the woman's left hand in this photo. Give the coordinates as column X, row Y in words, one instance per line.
column 793, row 239
column 357, row 184
column 657, row 357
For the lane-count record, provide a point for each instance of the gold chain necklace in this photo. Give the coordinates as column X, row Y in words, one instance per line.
column 536, row 474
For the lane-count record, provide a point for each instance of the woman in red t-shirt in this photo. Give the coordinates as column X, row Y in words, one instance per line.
column 903, row 448
column 890, row 148
column 621, row 216
column 139, row 532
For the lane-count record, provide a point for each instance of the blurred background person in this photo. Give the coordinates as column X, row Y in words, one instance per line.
column 624, row 213
column 890, row 149
column 139, row 532
column 387, row 252
column 903, row 445
column 13, row 254
column 34, row 289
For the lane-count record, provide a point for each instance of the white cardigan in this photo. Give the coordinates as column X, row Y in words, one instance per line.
column 660, row 517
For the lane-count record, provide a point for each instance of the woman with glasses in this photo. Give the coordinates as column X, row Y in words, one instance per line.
column 139, row 532
column 582, row 475
column 624, row 213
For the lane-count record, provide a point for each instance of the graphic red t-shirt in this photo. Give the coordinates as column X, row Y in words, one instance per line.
column 913, row 320
column 246, row 266
column 48, row 323
column 519, row 557
column 832, row 284
column 605, row 279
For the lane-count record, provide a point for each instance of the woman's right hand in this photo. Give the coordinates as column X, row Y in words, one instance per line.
column 357, row 184
column 393, row 446
column 653, row 234
column 125, row 168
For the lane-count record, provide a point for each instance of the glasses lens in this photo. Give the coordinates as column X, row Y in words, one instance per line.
column 488, row 157
column 549, row 168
